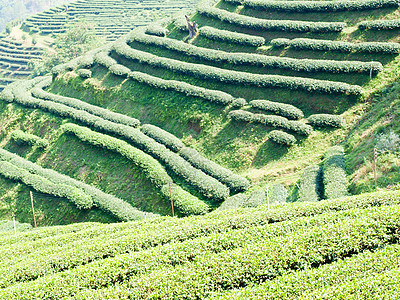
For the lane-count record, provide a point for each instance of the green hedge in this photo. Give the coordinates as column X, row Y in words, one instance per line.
column 325, row 120
column 84, row 73
column 281, row 137
column 271, row 25
column 339, row 46
column 281, row 109
column 235, row 77
column 310, row 184
column 119, row 208
column 276, row 193
column 157, row 30
column 262, row 258
column 285, row 63
column 231, row 36
column 163, row 137
column 380, row 25
column 174, row 85
column 334, row 173
column 22, row 138
column 184, row 202
column 45, row 186
column 235, row 182
column 317, row 6
column 106, row 114
column 206, row 185
column 271, row 120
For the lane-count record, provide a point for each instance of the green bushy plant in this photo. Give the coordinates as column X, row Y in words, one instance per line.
column 325, row 120
column 334, row 173
column 281, row 137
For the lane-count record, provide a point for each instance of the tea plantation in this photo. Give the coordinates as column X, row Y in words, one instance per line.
column 254, row 158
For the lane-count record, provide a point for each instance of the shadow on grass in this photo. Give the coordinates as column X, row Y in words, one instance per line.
column 269, row 151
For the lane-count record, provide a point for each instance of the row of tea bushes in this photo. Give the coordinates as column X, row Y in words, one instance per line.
column 339, row 46
column 271, row 25
column 282, row 138
column 380, row 25
column 285, row 110
column 262, row 61
column 317, row 6
column 334, row 175
column 184, row 202
column 24, row 138
column 235, row 77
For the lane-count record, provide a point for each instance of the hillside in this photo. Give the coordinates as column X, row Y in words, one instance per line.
column 329, row 249
column 243, row 113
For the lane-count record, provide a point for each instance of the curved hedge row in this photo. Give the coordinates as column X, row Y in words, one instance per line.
column 186, row 203
column 310, row 184
column 84, row 73
column 228, row 76
column 281, row 137
column 163, row 137
column 347, row 47
column 317, row 6
column 285, row 63
column 281, row 109
column 206, row 185
column 235, row 182
column 271, row 25
column 325, row 120
column 334, row 173
column 118, row 207
column 380, row 25
column 43, row 185
column 174, row 85
column 106, row 114
column 271, row 120
column 22, row 138
column 231, row 36
column 157, row 30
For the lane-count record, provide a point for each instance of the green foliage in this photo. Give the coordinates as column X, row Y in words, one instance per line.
column 235, row 182
column 317, row 6
column 276, row 193
column 380, row 25
column 334, row 173
column 157, row 30
column 310, row 184
column 235, row 77
column 285, row 110
column 339, row 46
column 325, row 120
column 38, row 92
column 272, row 25
column 231, row 36
column 43, row 185
column 22, row 138
column 236, row 201
column 271, row 121
column 215, row 96
column 7, row 226
column 84, row 73
column 281, row 137
column 186, row 203
column 389, row 142
column 163, row 137
column 285, row 63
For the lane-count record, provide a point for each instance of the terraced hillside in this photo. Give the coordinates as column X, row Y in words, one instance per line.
column 329, row 249
column 264, row 89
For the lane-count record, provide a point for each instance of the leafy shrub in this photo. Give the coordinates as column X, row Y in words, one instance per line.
column 339, row 46
column 233, row 202
column 229, row 76
column 281, row 109
column 317, row 6
column 81, row 105
column 22, row 138
column 270, row 120
column 276, row 193
column 41, row 184
column 310, row 184
column 157, row 30
column 163, row 137
column 262, row 24
column 388, row 142
column 285, row 63
column 6, row 226
column 231, row 36
column 84, row 73
column 239, row 102
column 325, row 120
column 380, row 25
column 186, row 203
column 235, row 182
column 255, row 199
column 334, row 173
column 283, row 138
